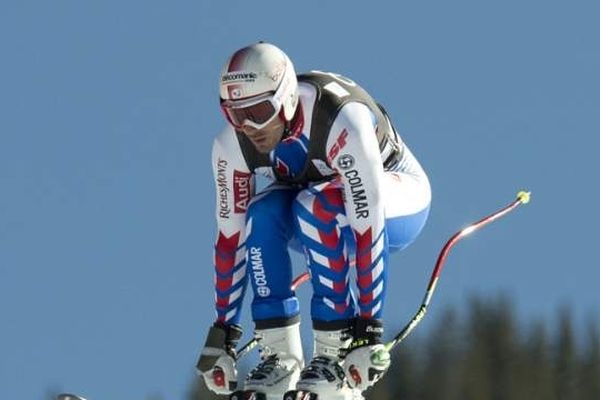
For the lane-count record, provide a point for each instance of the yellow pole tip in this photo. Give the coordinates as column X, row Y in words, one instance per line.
column 524, row 196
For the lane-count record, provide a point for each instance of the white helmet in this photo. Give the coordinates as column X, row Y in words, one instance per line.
column 257, row 83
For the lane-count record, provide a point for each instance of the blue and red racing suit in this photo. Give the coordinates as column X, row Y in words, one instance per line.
column 345, row 189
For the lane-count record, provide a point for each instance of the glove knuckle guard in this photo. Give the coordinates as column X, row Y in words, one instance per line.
column 221, row 339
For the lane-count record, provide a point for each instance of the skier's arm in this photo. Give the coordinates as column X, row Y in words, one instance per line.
column 358, row 161
column 234, row 187
column 354, row 152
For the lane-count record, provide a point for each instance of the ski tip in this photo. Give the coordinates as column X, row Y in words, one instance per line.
column 69, row 396
column 524, row 196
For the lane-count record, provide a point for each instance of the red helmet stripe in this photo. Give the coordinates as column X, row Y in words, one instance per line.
column 238, row 59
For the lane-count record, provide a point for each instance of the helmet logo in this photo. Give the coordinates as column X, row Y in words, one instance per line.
column 232, row 77
column 236, row 93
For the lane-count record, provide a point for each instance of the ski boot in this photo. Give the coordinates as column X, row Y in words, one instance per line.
column 280, row 366
column 324, row 378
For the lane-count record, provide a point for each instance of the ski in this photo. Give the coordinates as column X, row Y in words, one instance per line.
column 306, row 395
column 247, row 395
column 68, row 396
column 300, row 395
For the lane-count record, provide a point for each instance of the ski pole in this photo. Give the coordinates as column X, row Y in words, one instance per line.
column 522, row 198
column 299, row 280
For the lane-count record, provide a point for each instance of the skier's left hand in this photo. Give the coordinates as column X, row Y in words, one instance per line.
column 365, row 365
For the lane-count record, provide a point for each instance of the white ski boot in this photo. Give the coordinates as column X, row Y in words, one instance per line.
column 324, row 378
column 282, row 360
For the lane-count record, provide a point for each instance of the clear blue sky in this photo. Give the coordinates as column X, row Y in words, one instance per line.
column 108, row 110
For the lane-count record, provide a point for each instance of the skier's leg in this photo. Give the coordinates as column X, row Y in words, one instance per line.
column 275, row 307
column 320, row 226
column 268, row 231
column 407, row 197
column 318, row 210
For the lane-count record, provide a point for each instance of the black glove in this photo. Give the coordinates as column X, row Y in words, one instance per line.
column 217, row 364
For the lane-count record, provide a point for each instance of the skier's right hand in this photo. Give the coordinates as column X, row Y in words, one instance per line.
column 222, row 378
column 217, row 364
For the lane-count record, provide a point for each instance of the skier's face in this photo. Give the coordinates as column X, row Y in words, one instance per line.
column 265, row 139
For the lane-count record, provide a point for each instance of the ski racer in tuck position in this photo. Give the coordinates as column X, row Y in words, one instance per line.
column 346, row 191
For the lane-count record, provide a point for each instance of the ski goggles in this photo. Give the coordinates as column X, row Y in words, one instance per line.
column 257, row 111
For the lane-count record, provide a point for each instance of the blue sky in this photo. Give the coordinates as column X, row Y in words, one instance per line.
column 107, row 113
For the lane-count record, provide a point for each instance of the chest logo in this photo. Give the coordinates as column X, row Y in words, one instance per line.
column 345, row 162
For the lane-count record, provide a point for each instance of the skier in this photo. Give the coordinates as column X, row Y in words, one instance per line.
column 346, row 191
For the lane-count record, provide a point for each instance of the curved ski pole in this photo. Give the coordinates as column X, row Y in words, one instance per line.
column 522, row 198
column 245, row 349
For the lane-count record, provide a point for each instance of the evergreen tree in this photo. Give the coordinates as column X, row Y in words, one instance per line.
column 502, row 349
column 566, row 359
column 536, row 382
column 590, row 365
column 442, row 359
column 474, row 379
column 401, row 381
